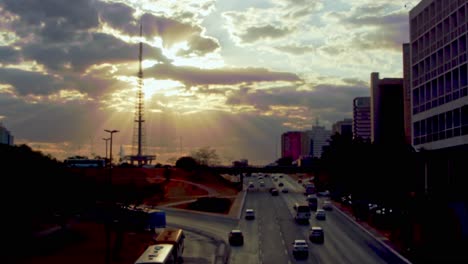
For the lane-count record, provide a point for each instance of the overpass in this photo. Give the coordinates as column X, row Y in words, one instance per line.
column 263, row 169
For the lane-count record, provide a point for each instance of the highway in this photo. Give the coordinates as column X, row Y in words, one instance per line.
column 268, row 238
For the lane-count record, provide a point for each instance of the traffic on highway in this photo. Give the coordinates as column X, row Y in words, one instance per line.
column 275, row 227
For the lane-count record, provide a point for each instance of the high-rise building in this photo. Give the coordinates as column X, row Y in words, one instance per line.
column 318, row 137
column 294, row 144
column 439, row 74
column 407, row 92
column 361, row 118
column 343, row 127
column 387, row 119
column 5, row 136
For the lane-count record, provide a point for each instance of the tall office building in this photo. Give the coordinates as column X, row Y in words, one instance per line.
column 294, row 144
column 407, row 92
column 361, row 118
column 5, row 136
column 319, row 137
column 387, row 119
column 439, row 74
column 343, row 127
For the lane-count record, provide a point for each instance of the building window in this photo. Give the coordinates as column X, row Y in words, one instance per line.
column 463, row 75
column 456, row 117
column 464, row 120
column 449, row 120
column 442, row 126
column 455, row 80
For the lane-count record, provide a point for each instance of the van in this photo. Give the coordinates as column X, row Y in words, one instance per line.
column 302, row 212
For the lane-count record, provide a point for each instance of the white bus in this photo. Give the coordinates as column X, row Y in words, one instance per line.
column 175, row 237
column 157, row 254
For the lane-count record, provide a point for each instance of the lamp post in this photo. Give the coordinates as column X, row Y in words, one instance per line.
column 111, row 133
column 106, row 139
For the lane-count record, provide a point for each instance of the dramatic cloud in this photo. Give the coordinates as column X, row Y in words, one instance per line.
column 295, row 49
column 232, row 75
column 320, row 97
column 194, row 76
column 9, row 55
column 26, row 82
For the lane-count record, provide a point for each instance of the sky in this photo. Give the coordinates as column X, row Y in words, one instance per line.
column 226, row 74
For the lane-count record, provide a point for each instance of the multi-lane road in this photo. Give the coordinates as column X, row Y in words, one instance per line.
column 268, row 238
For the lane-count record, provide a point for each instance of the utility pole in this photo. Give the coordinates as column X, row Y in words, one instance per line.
column 111, row 133
column 106, row 139
column 110, row 205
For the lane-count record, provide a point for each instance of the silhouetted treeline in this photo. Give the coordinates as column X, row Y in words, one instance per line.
column 35, row 191
column 425, row 190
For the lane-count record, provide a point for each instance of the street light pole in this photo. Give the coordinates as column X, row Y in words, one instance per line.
column 111, row 133
column 106, row 139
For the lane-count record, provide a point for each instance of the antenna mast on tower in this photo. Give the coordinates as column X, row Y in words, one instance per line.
column 138, row 129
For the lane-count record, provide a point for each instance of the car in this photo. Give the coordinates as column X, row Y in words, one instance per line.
column 300, row 248
column 285, row 190
column 280, row 184
column 236, row 238
column 316, row 234
column 275, row 179
column 327, row 205
column 281, row 176
column 274, row 192
column 325, row 193
column 320, row 214
column 262, row 184
column 299, row 181
column 249, row 214
column 251, row 185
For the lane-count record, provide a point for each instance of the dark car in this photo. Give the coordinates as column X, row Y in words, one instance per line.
column 274, row 192
column 280, row 184
column 316, row 234
column 236, row 238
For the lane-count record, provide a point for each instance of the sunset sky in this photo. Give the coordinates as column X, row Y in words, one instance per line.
column 229, row 74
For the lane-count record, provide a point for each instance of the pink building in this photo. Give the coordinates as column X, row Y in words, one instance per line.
column 294, row 144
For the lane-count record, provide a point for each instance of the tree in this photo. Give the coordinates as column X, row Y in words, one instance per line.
column 285, row 161
column 206, row 156
column 186, row 163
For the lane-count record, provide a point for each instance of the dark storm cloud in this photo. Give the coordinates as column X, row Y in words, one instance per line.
column 196, row 76
column 53, row 20
column 9, row 55
column 326, row 96
column 253, row 34
column 119, row 16
column 26, row 82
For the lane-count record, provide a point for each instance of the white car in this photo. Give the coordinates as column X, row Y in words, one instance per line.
column 300, row 248
column 249, row 214
column 262, row 184
column 327, row 205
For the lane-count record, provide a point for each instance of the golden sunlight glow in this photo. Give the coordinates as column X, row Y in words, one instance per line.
column 31, row 66
column 152, row 86
column 6, row 89
column 69, row 95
